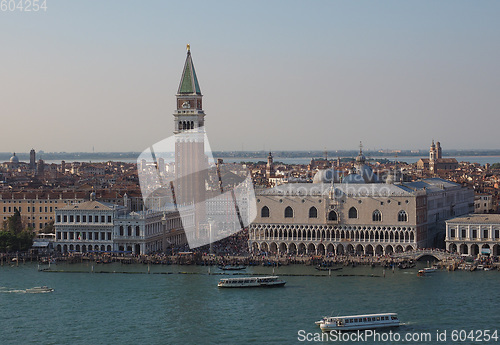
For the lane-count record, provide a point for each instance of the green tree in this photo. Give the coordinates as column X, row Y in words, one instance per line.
column 13, row 237
column 14, row 223
column 49, row 228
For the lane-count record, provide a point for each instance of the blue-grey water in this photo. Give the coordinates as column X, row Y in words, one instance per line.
column 95, row 308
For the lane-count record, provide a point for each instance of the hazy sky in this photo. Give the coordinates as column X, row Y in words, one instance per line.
column 275, row 75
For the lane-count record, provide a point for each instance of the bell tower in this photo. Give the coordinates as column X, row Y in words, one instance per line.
column 189, row 113
column 190, row 159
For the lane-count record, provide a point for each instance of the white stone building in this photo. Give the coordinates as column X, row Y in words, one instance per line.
column 104, row 227
column 474, row 234
column 85, row 227
column 145, row 232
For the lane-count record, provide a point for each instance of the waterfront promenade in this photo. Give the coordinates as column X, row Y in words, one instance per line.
column 443, row 259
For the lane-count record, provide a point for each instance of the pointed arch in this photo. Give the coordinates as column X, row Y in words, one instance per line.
column 264, row 212
column 402, row 216
column 288, row 212
column 353, row 212
column 376, row 216
column 313, row 212
column 333, row 216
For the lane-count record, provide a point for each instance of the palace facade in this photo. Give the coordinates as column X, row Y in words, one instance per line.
column 355, row 217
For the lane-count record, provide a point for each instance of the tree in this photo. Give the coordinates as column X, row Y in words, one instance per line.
column 13, row 237
column 14, row 223
column 49, row 228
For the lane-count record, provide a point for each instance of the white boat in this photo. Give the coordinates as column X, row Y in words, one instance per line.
column 39, row 289
column 269, row 281
column 358, row 322
column 430, row 269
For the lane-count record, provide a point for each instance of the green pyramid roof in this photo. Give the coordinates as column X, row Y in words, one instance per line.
column 189, row 82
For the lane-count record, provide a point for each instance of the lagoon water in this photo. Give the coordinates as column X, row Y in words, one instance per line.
column 118, row 308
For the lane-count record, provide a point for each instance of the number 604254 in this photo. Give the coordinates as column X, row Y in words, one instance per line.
column 23, row 5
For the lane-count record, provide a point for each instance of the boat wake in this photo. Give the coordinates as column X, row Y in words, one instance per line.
column 7, row 290
column 31, row 290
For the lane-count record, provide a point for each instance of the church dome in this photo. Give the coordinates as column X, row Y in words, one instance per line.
column 361, row 158
column 367, row 173
column 326, row 176
column 14, row 159
column 353, row 178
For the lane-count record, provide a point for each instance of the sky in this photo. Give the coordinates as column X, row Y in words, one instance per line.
column 275, row 75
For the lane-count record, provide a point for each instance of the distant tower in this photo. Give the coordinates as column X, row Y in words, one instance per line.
column 161, row 165
column 269, row 166
column 438, row 148
column 40, row 167
column 360, row 159
column 432, row 151
column 63, row 167
column 190, row 156
column 32, row 159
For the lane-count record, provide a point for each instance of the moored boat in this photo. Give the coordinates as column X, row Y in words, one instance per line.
column 358, row 322
column 268, row 281
column 232, row 268
column 324, row 268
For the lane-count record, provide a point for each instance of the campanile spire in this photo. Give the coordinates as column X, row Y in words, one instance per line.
column 189, row 114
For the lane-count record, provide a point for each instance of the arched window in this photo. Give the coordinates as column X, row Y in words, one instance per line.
column 353, row 213
column 129, row 230
column 121, row 230
column 192, row 125
column 264, row 213
column 288, row 212
column 313, row 212
column 137, row 231
column 402, row 216
column 377, row 216
column 332, row 215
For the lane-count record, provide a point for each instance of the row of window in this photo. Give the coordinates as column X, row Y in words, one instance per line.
column 474, row 233
column 33, row 201
column 82, row 235
column 30, row 209
column 129, row 230
column 333, row 216
column 83, row 219
column 186, row 125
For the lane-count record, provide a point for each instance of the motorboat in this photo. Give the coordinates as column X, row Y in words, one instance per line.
column 39, row 289
column 268, row 281
column 430, row 269
column 358, row 322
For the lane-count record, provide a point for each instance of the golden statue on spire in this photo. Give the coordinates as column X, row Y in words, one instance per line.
column 188, row 47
